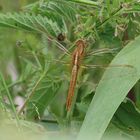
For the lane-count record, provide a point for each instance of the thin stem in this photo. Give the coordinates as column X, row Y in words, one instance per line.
column 105, row 21
column 112, row 15
column 10, row 98
column 37, row 60
column 13, row 84
column 31, row 93
column 1, row 101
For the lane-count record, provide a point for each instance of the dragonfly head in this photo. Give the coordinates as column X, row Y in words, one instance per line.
column 81, row 43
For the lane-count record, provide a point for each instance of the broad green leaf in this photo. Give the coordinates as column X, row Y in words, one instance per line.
column 111, row 92
column 127, row 118
column 114, row 133
column 125, row 123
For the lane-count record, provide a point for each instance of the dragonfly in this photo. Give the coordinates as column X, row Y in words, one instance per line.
column 76, row 61
column 77, row 57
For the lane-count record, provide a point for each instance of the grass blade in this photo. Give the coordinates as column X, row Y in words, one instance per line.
column 10, row 99
column 111, row 92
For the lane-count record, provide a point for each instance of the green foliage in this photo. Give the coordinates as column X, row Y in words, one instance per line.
column 37, row 71
column 43, row 91
column 30, row 23
column 112, row 95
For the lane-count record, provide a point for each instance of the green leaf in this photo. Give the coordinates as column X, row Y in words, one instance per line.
column 41, row 93
column 30, row 23
column 9, row 98
column 114, row 133
column 86, row 2
column 127, row 117
column 55, row 10
column 39, row 102
column 125, row 123
column 111, row 92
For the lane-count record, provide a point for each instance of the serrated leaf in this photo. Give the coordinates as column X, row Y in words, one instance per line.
column 33, row 23
column 55, row 10
column 43, row 91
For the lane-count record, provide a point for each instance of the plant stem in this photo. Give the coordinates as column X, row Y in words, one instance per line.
column 31, row 93
column 104, row 22
column 10, row 98
column 13, row 84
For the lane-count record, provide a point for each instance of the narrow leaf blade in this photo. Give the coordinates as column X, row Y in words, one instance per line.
column 111, row 92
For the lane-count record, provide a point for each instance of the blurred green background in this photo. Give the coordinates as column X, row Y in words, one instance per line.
column 9, row 37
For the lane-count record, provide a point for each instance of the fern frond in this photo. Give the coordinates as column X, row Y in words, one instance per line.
column 40, row 91
column 33, row 23
column 55, row 10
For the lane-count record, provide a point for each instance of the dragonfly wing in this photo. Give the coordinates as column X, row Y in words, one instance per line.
column 62, row 48
column 99, row 52
column 130, row 70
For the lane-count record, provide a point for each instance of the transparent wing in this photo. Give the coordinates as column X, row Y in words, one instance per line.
column 92, row 70
column 94, row 73
column 100, row 52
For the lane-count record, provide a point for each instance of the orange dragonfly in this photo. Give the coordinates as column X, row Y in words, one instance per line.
column 77, row 56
